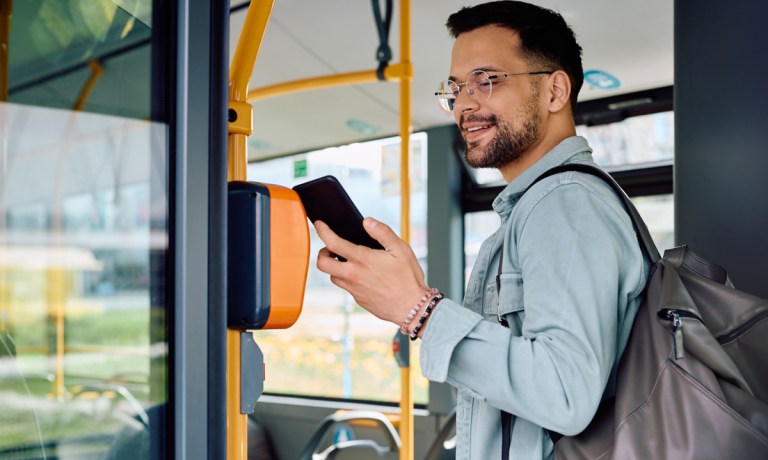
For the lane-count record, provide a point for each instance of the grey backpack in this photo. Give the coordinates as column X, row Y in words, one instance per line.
column 693, row 380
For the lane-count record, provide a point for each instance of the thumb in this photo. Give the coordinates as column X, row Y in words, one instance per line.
column 393, row 244
column 381, row 232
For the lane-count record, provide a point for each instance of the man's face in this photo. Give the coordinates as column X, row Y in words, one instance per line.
column 501, row 129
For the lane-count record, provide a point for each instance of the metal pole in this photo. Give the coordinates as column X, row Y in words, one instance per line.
column 406, row 394
column 393, row 72
column 240, row 127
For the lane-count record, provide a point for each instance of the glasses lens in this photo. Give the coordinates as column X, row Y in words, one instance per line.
column 481, row 82
column 446, row 94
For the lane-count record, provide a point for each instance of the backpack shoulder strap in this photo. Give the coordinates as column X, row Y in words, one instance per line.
column 643, row 236
column 684, row 258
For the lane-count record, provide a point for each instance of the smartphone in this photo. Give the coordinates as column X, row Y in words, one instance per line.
column 325, row 199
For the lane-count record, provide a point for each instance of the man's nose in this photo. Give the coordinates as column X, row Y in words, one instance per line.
column 464, row 102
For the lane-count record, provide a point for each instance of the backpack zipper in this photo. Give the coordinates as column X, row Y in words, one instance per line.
column 671, row 314
column 734, row 334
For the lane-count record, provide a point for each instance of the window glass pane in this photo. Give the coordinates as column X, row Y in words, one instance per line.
column 645, row 139
column 83, row 234
column 636, row 141
column 336, row 348
column 83, row 55
column 657, row 213
column 478, row 226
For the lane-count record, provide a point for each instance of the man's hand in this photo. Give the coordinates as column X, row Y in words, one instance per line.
column 386, row 282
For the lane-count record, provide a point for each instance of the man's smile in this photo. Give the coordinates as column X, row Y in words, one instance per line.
column 473, row 132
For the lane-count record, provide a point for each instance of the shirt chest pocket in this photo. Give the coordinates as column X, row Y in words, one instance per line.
column 512, row 303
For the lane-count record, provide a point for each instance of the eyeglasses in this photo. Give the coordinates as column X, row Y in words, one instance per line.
column 479, row 86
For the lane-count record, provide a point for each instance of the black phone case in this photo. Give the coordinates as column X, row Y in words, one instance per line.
column 325, row 199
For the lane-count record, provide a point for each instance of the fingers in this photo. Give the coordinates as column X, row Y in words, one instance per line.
column 382, row 233
column 392, row 243
column 335, row 244
column 338, row 271
column 327, row 262
column 377, row 230
column 369, row 274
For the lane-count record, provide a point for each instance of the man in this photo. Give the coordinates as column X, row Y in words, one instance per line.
column 544, row 343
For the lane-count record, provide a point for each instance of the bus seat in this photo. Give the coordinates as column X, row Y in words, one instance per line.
column 359, row 449
column 145, row 434
column 259, row 443
column 318, row 448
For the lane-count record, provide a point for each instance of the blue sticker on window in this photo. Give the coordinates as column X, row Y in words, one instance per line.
column 601, row 80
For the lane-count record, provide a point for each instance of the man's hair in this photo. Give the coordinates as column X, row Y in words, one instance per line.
column 546, row 39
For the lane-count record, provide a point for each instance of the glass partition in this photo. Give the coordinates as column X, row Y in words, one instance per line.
column 83, row 234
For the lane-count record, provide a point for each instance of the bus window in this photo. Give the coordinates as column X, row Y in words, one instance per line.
column 657, row 212
column 636, row 141
column 83, row 219
column 336, row 349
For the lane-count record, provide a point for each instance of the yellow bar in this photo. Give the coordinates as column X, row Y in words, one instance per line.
column 56, row 293
column 238, row 148
column 6, row 11
column 240, row 118
column 60, row 335
column 328, row 81
column 248, row 48
column 237, row 423
column 239, row 75
column 406, row 395
column 5, row 302
column 240, row 71
column 96, row 72
column 393, row 72
column 406, row 414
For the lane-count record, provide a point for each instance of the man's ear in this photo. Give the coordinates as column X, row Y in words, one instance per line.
column 560, row 91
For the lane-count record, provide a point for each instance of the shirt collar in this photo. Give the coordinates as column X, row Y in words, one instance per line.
column 564, row 152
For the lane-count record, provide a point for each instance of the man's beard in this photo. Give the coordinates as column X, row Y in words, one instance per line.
column 508, row 146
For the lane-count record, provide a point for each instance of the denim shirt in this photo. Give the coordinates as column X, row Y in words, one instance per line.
column 572, row 276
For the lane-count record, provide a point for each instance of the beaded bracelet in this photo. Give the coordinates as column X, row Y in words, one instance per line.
column 416, row 309
column 436, row 298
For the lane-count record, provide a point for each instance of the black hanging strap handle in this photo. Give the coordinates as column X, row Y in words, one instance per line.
column 384, row 52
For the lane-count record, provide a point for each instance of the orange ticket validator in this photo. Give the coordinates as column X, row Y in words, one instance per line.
column 268, row 256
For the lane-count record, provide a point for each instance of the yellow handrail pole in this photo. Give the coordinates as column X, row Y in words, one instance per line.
column 404, row 73
column 97, row 70
column 240, row 127
column 6, row 11
column 406, row 394
column 239, row 75
column 56, row 277
column 393, row 72
column 55, row 298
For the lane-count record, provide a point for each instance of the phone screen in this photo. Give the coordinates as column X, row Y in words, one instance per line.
column 325, row 199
